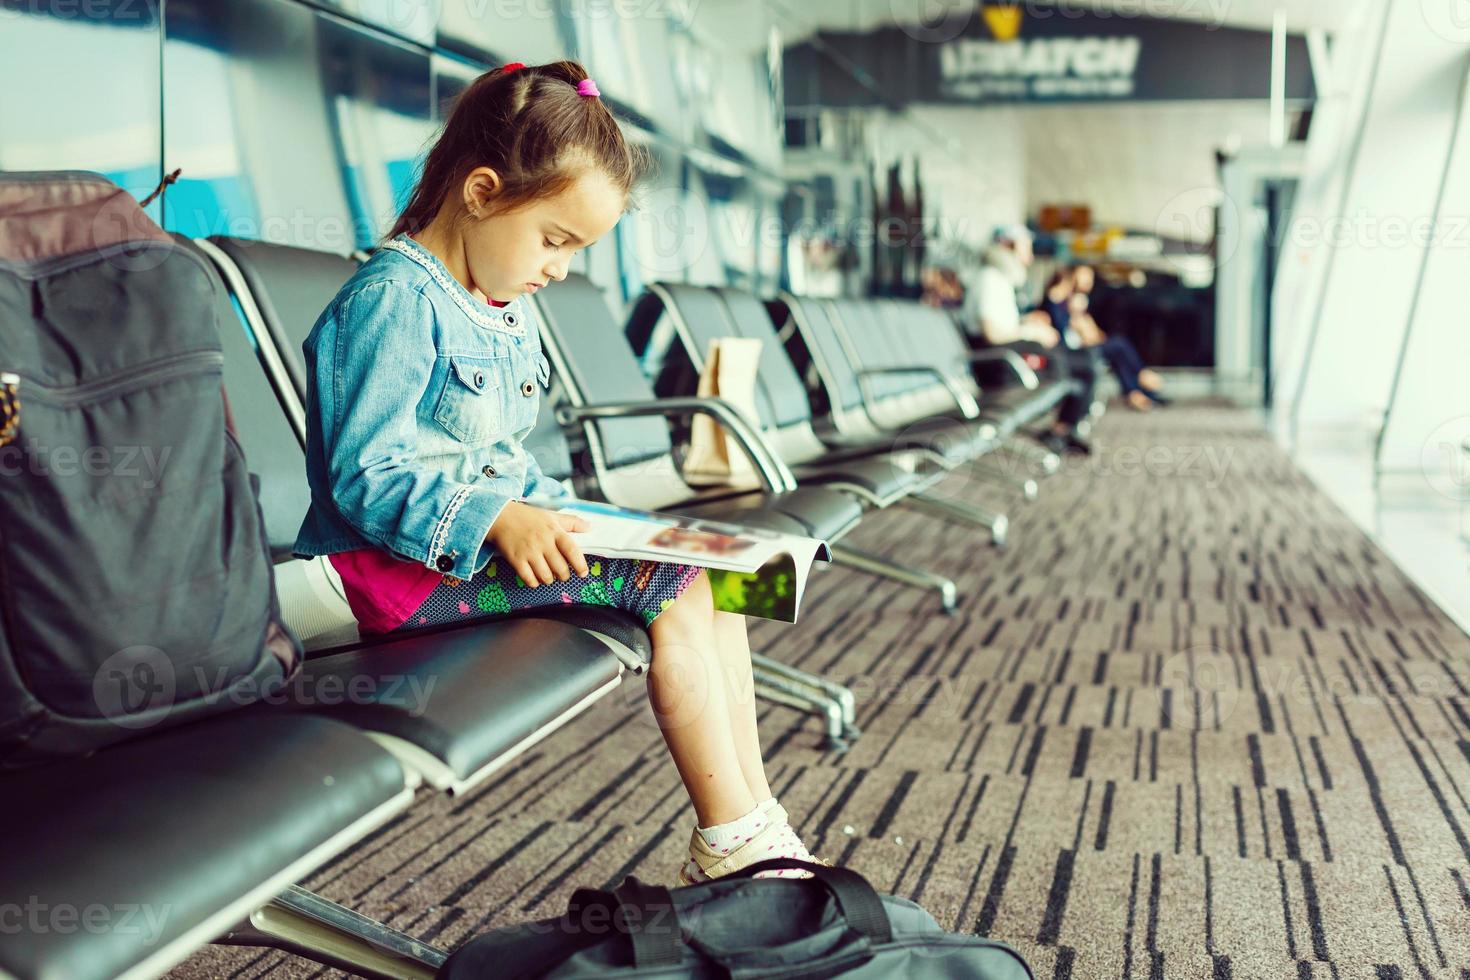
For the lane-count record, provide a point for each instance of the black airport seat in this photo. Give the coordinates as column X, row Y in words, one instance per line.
column 283, row 284
column 929, row 336
column 515, row 679
column 459, row 704
column 126, row 861
column 628, row 432
column 699, row 316
column 859, row 398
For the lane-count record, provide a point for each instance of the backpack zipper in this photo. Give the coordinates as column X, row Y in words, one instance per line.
column 9, row 407
column 164, row 368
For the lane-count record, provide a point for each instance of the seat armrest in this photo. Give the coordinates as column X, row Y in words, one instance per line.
column 962, row 399
column 775, row 474
column 1011, row 359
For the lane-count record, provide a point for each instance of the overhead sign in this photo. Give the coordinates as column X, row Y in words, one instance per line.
column 1044, row 68
column 1036, row 53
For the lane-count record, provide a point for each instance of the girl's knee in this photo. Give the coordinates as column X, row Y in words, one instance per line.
column 698, row 597
column 695, row 603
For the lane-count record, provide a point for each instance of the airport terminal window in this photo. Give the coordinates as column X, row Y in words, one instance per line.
column 731, row 256
column 320, row 130
column 82, row 112
column 529, row 31
column 659, row 89
column 414, row 21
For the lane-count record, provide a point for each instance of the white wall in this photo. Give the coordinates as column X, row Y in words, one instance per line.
column 1429, row 416
column 1374, row 254
column 1343, row 87
column 1148, row 166
column 972, row 163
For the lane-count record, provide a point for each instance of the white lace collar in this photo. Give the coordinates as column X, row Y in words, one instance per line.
column 489, row 317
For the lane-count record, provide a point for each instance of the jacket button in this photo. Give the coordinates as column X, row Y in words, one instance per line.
column 444, row 563
column 511, row 319
column 479, row 380
column 488, row 470
column 528, row 389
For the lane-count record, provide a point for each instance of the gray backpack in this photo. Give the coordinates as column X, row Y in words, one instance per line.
column 831, row 925
column 136, row 586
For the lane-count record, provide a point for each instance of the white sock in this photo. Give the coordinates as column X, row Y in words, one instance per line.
column 727, row 837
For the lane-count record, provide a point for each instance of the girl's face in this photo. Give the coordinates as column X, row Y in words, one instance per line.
column 526, row 249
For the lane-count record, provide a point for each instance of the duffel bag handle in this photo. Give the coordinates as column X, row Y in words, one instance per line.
column 652, row 923
column 859, row 903
column 644, row 913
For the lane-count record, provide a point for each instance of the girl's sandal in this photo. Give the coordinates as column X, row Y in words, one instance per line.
column 753, row 851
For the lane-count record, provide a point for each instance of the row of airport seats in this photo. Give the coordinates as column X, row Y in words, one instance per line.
column 199, row 833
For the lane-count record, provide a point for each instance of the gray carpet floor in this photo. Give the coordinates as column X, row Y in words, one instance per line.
column 1192, row 724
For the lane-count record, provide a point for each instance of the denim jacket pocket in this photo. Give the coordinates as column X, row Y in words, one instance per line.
column 471, row 404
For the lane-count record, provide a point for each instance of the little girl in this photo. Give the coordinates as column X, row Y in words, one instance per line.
column 424, row 375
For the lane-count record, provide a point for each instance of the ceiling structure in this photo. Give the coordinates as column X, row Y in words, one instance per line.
column 799, row 18
column 992, row 164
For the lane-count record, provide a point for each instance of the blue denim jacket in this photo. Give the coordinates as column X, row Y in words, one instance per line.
column 418, row 397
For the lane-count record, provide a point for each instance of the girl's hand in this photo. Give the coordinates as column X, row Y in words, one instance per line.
column 538, row 543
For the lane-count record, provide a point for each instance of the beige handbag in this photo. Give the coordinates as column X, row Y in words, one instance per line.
column 715, row 457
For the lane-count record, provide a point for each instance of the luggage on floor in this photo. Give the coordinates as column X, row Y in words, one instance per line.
column 136, row 586
column 832, row 925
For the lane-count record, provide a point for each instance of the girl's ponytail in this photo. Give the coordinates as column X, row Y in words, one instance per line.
column 532, row 126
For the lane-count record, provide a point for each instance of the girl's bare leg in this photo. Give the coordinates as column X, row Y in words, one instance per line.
column 734, row 652
column 688, row 691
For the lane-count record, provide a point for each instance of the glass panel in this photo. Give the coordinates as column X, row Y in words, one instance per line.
column 530, row 31
column 290, row 125
column 413, row 20
column 93, row 109
column 664, row 225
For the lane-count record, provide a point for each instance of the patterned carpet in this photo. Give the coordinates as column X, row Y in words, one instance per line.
column 1192, row 724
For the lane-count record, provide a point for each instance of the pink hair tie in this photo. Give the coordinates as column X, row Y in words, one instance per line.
column 511, row 66
column 588, row 88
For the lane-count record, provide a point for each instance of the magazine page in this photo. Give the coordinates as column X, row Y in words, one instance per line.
column 753, row 571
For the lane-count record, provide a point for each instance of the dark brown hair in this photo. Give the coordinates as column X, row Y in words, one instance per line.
column 1063, row 273
column 531, row 127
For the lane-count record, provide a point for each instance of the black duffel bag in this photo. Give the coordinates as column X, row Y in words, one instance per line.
column 832, row 925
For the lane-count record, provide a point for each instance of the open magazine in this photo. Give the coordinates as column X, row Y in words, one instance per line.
column 752, row 571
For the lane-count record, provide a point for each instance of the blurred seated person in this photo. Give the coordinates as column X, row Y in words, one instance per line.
column 1141, row 384
column 992, row 317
